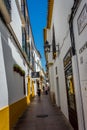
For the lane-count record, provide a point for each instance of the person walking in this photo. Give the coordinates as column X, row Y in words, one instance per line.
column 39, row 92
column 46, row 89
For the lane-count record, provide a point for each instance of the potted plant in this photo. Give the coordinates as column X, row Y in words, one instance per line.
column 18, row 69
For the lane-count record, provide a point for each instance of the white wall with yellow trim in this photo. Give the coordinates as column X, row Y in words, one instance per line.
column 16, row 22
column 12, row 97
column 80, row 67
column 13, row 100
column 60, row 20
column 3, row 80
column 60, row 17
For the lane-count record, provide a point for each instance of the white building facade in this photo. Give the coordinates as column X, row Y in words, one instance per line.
column 66, row 31
column 17, row 56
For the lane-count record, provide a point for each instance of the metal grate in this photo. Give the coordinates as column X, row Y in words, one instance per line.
column 42, row 116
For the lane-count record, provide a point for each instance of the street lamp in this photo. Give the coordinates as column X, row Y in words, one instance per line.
column 47, row 47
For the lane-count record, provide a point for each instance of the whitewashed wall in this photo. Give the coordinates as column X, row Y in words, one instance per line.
column 19, row 3
column 61, row 12
column 16, row 21
column 50, row 60
column 3, row 80
column 61, row 75
column 80, row 40
column 51, row 75
column 11, row 56
column 49, row 39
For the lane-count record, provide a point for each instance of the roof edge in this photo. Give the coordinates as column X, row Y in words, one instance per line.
column 50, row 11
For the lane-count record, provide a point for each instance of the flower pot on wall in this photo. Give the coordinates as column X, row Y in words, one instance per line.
column 18, row 69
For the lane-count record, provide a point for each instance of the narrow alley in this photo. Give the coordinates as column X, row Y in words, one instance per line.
column 43, row 47
column 42, row 115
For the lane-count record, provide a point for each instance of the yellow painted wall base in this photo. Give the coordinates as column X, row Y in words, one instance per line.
column 4, row 119
column 33, row 93
column 28, row 99
column 9, row 115
column 16, row 110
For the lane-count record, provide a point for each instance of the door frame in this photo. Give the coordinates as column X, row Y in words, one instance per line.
column 67, row 61
column 58, row 92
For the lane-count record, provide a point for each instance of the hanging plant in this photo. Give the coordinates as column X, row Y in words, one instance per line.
column 18, row 69
column 22, row 73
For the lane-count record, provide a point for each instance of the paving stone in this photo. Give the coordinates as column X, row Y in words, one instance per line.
column 42, row 115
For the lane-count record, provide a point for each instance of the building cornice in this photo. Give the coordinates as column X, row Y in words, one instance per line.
column 50, row 11
column 5, row 12
column 45, row 34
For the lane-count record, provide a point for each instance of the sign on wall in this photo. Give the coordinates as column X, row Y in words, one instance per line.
column 35, row 74
column 83, row 77
column 82, row 19
column 83, row 61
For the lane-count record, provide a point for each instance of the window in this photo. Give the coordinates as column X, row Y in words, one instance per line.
column 23, row 38
column 24, row 44
column 54, row 44
column 28, row 52
column 8, row 5
column 34, row 63
column 27, row 27
column 23, row 8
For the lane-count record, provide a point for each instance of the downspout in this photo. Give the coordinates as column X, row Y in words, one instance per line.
column 76, row 69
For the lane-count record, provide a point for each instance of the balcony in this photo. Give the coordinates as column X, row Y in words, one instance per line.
column 5, row 8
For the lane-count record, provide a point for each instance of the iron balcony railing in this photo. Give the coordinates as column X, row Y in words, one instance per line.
column 8, row 5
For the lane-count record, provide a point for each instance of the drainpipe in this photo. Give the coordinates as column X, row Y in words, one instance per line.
column 78, row 94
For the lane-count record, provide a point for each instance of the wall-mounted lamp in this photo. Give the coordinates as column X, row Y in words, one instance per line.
column 47, row 48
